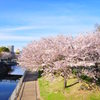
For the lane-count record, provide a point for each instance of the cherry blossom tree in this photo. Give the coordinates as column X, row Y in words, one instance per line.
column 87, row 47
column 61, row 53
column 5, row 55
column 87, row 51
column 53, row 54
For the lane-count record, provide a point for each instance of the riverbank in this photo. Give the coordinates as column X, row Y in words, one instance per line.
column 55, row 90
column 5, row 67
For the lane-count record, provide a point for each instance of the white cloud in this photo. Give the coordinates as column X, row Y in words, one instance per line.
column 11, row 29
column 17, row 38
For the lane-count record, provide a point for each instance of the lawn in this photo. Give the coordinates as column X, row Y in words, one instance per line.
column 53, row 90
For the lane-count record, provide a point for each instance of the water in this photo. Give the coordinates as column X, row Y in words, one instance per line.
column 8, row 85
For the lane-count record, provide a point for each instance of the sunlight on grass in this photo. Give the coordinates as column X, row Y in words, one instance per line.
column 55, row 90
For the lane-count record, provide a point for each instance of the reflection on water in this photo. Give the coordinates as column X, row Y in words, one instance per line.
column 17, row 70
column 8, row 85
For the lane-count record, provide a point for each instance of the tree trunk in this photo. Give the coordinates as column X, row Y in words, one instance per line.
column 65, row 82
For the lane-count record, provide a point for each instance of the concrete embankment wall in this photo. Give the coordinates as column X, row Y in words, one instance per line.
column 17, row 89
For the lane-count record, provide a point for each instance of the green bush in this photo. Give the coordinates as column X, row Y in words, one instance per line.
column 4, row 49
column 86, row 78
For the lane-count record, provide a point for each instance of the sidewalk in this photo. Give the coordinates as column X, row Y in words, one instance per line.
column 29, row 89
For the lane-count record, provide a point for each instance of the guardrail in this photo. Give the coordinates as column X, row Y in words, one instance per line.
column 17, row 89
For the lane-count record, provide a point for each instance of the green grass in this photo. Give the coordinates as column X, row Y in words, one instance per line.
column 55, row 90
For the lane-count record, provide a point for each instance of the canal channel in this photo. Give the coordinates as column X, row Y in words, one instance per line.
column 9, row 81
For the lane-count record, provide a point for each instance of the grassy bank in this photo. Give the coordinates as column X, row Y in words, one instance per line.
column 55, row 91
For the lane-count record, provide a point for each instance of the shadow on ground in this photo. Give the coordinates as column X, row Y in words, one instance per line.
column 31, row 76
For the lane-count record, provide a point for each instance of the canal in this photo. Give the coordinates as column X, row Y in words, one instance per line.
column 8, row 82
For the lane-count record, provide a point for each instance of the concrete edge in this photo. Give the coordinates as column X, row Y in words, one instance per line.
column 16, row 91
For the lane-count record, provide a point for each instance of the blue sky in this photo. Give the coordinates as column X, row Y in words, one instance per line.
column 22, row 21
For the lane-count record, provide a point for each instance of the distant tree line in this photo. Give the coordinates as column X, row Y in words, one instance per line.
column 4, row 49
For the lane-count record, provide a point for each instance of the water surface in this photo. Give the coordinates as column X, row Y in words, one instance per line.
column 8, row 85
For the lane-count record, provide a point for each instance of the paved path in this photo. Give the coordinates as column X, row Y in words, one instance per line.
column 29, row 87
